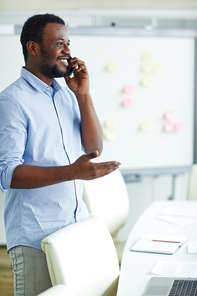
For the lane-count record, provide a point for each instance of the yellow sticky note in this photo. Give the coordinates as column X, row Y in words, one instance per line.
column 110, row 123
column 112, row 66
column 147, row 67
column 146, row 81
column 147, row 56
column 157, row 68
column 145, row 126
column 110, row 135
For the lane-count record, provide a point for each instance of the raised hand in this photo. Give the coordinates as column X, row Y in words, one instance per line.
column 79, row 84
column 83, row 168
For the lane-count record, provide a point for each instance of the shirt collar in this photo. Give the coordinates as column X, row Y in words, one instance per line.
column 38, row 83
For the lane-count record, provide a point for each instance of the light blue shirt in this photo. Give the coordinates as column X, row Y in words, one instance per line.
column 39, row 125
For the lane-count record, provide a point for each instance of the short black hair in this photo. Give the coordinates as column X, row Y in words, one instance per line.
column 33, row 29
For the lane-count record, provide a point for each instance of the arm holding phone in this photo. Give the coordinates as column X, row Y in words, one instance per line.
column 91, row 130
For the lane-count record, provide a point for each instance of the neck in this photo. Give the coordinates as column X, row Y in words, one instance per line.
column 36, row 72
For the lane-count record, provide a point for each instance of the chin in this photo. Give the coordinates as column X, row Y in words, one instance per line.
column 52, row 71
column 57, row 72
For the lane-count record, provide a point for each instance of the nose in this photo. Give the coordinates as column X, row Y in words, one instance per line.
column 66, row 50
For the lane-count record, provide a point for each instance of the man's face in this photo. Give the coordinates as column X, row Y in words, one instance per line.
column 54, row 51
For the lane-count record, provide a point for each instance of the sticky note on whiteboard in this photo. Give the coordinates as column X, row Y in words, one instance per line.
column 128, row 89
column 112, row 66
column 110, row 123
column 147, row 67
column 147, row 56
column 157, row 68
column 178, row 126
column 169, row 115
column 168, row 127
column 110, row 135
column 146, row 81
column 127, row 102
column 145, row 126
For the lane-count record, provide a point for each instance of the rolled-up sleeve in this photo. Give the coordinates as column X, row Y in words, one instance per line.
column 13, row 135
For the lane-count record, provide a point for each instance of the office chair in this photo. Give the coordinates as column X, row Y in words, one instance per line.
column 83, row 257
column 59, row 290
column 107, row 198
column 192, row 185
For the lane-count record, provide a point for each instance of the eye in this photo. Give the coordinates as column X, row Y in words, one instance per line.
column 60, row 43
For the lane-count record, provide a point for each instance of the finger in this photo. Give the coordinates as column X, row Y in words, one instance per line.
column 107, row 167
column 79, row 64
column 110, row 166
column 81, row 68
column 111, row 163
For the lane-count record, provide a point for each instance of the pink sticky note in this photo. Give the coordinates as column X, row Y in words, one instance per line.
column 127, row 102
column 169, row 115
column 178, row 126
column 168, row 127
column 128, row 89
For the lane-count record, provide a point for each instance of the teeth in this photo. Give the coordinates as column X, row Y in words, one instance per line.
column 63, row 61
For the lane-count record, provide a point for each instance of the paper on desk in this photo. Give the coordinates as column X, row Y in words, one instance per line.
column 181, row 211
column 182, row 215
column 182, row 221
column 192, row 247
column 174, row 268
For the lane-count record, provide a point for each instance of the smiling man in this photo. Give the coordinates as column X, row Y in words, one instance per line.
column 48, row 135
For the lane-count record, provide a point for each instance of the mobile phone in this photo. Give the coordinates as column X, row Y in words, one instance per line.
column 70, row 68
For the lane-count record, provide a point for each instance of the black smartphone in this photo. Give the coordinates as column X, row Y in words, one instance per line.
column 70, row 68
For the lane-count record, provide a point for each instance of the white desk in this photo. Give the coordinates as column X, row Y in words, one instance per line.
column 136, row 266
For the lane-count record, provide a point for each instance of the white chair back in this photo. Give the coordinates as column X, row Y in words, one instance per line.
column 82, row 256
column 107, row 198
column 192, row 186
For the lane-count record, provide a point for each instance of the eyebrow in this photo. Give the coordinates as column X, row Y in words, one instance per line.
column 63, row 39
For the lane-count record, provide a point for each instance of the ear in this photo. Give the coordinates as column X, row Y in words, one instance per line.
column 32, row 47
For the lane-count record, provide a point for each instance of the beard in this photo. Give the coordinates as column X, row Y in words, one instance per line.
column 47, row 68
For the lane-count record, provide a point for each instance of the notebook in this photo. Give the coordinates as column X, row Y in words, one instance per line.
column 158, row 243
column 169, row 286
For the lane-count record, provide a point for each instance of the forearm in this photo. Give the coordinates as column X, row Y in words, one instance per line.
column 28, row 176
column 91, row 130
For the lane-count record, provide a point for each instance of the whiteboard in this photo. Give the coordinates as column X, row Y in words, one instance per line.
column 169, row 99
column 143, row 89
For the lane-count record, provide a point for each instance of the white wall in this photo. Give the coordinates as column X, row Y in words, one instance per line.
column 14, row 5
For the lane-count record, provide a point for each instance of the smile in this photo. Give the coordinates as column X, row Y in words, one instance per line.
column 63, row 61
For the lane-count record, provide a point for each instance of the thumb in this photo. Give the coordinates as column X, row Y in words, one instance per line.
column 93, row 154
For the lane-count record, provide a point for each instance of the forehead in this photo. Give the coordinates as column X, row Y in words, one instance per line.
column 54, row 32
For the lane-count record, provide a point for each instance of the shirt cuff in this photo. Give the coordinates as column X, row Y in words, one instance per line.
column 6, row 177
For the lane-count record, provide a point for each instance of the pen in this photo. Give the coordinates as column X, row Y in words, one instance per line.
column 163, row 241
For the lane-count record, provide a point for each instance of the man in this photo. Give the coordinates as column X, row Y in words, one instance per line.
column 44, row 132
